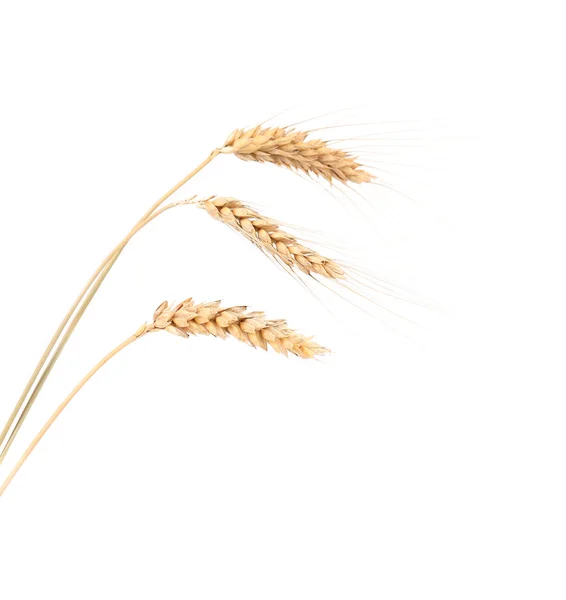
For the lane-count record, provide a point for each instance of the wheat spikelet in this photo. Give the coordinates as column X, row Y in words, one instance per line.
column 290, row 148
column 188, row 318
column 267, row 235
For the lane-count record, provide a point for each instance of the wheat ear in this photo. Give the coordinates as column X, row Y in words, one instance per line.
column 253, row 328
column 267, row 235
column 290, row 148
column 186, row 319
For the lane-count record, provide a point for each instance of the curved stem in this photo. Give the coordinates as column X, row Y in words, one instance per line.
column 87, row 294
column 64, row 404
column 109, row 262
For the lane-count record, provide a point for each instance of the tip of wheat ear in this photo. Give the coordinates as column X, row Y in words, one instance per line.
column 290, row 148
column 266, row 234
column 253, row 328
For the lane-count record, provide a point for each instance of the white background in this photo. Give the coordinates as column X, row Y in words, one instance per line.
column 415, row 462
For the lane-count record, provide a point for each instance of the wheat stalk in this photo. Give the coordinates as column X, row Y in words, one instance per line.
column 72, row 318
column 82, row 302
column 270, row 238
column 290, row 148
column 186, row 319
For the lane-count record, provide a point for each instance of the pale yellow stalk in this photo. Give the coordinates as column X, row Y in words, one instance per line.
column 80, row 305
column 62, row 407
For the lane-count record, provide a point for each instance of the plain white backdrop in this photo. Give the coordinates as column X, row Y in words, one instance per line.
column 415, row 462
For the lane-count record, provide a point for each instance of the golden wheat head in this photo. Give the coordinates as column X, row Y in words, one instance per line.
column 290, row 148
column 266, row 234
column 188, row 318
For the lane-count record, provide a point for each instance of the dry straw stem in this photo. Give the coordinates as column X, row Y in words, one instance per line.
column 270, row 238
column 72, row 318
column 110, row 260
column 290, row 148
column 186, row 319
column 64, row 404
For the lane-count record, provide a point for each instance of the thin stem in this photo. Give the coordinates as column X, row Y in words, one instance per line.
column 65, row 402
column 83, row 300
column 110, row 260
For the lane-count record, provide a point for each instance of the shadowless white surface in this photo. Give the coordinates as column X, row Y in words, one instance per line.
column 421, row 463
